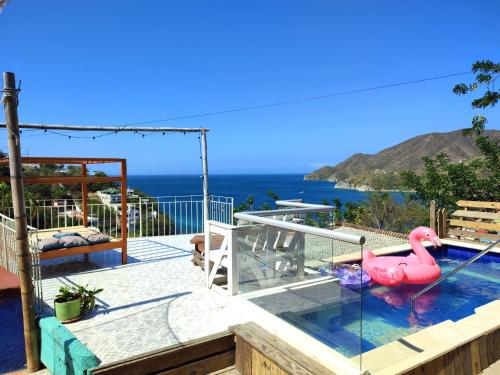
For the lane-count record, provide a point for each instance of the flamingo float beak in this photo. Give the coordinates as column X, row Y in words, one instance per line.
column 436, row 242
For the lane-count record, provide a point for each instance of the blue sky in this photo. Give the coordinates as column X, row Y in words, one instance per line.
column 111, row 63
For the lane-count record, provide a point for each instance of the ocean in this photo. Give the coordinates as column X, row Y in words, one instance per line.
column 286, row 186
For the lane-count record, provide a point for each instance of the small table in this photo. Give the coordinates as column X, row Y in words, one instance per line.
column 199, row 247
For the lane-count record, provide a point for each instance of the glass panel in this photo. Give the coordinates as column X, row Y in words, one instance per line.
column 312, row 282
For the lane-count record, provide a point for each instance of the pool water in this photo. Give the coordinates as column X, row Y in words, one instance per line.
column 12, row 353
column 381, row 314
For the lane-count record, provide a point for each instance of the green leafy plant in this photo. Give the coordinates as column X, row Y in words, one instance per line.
column 66, row 294
column 86, row 296
column 486, row 72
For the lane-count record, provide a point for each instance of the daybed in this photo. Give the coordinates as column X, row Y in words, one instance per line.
column 83, row 180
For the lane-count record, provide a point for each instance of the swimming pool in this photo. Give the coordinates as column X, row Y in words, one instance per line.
column 12, row 355
column 380, row 314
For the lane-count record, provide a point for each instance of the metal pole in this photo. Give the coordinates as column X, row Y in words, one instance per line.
column 452, row 272
column 10, row 101
column 111, row 129
column 205, row 205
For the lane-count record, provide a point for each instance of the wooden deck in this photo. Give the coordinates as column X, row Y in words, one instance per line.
column 209, row 355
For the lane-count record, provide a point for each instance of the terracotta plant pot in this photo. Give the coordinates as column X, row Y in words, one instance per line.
column 68, row 310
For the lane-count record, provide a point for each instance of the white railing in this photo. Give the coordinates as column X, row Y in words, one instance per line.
column 9, row 251
column 147, row 216
column 275, row 248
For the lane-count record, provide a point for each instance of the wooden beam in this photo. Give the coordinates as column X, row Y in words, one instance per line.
column 477, row 214
column 124, row 209
column 218, row 347
column 281, row 353
column 475, row 225
column 204, row 366
column 85, row 208
column 78, row 250
column 478, row 204
column 10, row 101
column 63, row 179
column 62, row 160
column 109, row 129
column 432, row 215
column 473, row 234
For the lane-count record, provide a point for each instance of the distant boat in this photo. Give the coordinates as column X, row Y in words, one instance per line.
column 301, row 192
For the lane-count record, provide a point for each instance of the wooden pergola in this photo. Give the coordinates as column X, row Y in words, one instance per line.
column 84, row 179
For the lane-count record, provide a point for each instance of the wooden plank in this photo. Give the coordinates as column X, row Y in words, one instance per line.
column 475, row 357
column 63, row 179
column 442, row 223
column 281, row 353
column 432, row 215
column 78, row 250
column 256, row 359
column 464, row 234
column 469, row 358
column 203, row 366
column 479, row 204
column 193, row 353
column 247, row 359
column 477, row 214
column 238, row 361
column 475, row 224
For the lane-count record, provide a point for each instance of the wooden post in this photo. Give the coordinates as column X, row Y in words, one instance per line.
column 206, row 198
column 85, row 209
column 10, row 101
column 442, row 223
column 432, row 214
column 445, row 223
column 124, row 218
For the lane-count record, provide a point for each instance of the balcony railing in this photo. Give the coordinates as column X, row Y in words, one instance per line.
column 147, row 216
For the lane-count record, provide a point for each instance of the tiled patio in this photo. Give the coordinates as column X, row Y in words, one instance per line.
column 156, row 300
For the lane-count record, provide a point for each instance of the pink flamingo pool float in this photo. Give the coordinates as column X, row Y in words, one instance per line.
column 417, row 268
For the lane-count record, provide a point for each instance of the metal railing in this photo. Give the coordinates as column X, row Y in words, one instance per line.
column 276, row 248
column 147, row 216
column 452, row 272
column 255, row 217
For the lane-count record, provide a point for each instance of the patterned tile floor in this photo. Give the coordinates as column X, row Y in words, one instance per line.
column 154, row 301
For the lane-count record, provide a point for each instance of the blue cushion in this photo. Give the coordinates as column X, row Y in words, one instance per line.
column 61, row 235
column 73, row 241
column 95, row 238
column 49, row 244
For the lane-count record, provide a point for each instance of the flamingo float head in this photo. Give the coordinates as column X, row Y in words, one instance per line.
column 425, row 234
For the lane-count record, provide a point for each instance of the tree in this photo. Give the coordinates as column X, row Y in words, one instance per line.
column 383, row 212
column 486, row 74
column 479, row 179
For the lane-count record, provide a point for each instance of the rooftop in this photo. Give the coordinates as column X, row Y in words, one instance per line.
column 156, row 300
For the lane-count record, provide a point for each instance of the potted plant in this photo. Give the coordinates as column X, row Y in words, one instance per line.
column 72, row 303
column 87, row 297
column 68, row 304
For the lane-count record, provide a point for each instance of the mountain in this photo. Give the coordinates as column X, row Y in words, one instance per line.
column 382, row 170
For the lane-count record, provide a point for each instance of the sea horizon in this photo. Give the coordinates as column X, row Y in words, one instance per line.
column 241, row 186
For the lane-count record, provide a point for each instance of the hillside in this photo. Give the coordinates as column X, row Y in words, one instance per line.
column 382, row 170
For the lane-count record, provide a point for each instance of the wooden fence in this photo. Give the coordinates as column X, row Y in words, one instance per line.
column 474, row 221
